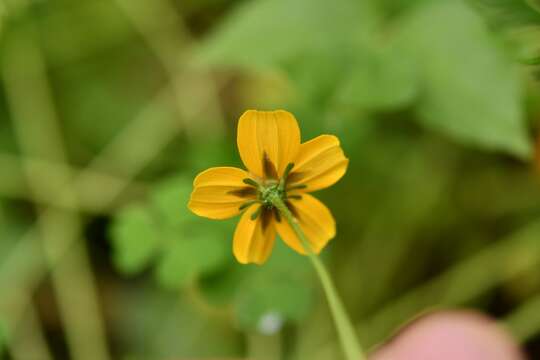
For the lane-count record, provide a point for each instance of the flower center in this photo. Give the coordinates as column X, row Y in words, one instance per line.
column 270, row 190
column 269, row 193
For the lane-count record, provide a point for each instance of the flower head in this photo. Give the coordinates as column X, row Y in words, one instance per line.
column 279, row 165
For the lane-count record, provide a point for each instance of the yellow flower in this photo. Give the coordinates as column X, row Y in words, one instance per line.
column 278, row 165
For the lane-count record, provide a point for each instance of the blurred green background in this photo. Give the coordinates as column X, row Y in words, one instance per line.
column 109, row 108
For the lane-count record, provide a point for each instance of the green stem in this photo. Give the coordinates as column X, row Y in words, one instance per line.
column 345, row 329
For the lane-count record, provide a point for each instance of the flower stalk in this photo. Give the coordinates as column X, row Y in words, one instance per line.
column 345, row 329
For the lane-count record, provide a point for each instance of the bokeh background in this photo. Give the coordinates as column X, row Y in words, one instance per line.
column 109, row 108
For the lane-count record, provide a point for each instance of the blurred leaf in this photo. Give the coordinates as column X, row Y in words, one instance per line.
column 525, row 44
column 163, row 231
column 261, row 300
column 195, row 247
column 471, row 91
column 256, row 293
column 505, row 13
column 264, row 33
column 519, row 22
column 193, row 256
column 314, row 78
column 383, row 79
column 266, row 302
column 170, row 198
column 135, row 239
column 394, row 8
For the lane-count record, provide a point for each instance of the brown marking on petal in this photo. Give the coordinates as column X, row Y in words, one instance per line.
column 295, row 197
column 295, row 177
column 269, row 169
column 277, row 215
column 292, row 209
column 244, row 192
column 297, row 187
column 266, row 217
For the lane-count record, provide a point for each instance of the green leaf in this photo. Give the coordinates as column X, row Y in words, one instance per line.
column 192, row 256
column 170, row 199
column 381, row 79
column 265, row 304
column 470, row 89
column 194, row 246
column 267, row 32
column 164, row 232
column 261, row 303
column 135, row 239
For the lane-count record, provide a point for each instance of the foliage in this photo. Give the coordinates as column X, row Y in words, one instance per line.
column 436, row 103
column 182, row 247
column 187, row 252
column 481, row 106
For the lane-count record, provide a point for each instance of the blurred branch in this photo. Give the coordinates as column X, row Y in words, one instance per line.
column 26, row 339
column 264, row 347
column 462, row 283
column 524, row 322
column 164, row 32
column 91, row 194
column 155, row 128
column 138, row 144
column 38, row 132
column 24, row 266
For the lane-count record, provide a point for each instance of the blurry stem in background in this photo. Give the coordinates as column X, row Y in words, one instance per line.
column 264, row 347
column 154, row 127
column 2, row 212
column 498, row 263
column 26, row 339
column 524, row 322
column 24, row 267
column 347, row 335
column 39, row 135
column 90, row 193
column 533, row 4
column 163, row 32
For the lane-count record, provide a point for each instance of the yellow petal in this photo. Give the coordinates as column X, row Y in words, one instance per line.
column 320, row 163
column 314, row 218
column 273, row 135
column 219, row 192
column 254, row 239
